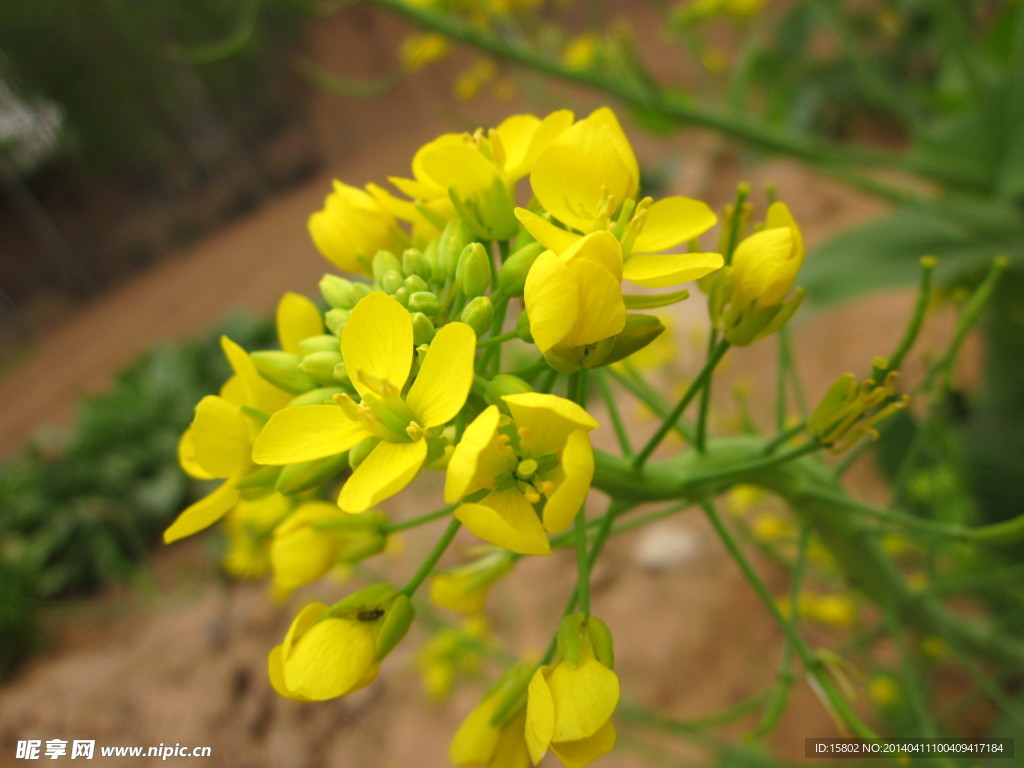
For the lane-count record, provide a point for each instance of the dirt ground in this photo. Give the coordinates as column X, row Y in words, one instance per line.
column 180, row 657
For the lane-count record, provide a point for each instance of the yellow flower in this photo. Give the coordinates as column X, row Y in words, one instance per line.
column 417, row 51
column 588, row 179
column 534, row 470
column 377, row 347
column 465, row 589
column 247, row 526
column 316, row 536
column 751, row 300
column 574, row 299
column 219, row 442
column 479, row 743
column 478, row 172
column 352, row 227
column 570, row 704
column 298, row 319
column 331, row 651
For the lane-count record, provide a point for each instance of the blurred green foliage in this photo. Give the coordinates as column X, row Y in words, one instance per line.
column 138, row 89
column 76, row 518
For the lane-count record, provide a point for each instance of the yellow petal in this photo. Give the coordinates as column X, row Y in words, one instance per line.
column 550, row 420
column 259, row 393
column 460, row 166
column 187, row 457
column 507, row 519
column 585, row 697
column 302, row 555
column 516, row 136
column 203, row 513
column 220, row 437
column 779, row 216
column 476, row 739
column 457, row 593
column 330, row 659
column 462, row 471
column 445, row 377
column 310, row 614
column 569, row 185
column 387, row 470
column 578, row 471
column 672, row 221
column 540, row 715
column 351, row 228
column 602, row 310
column 765, row 266
column 550, row 128
column 306, row 432
column 614, row 135
column 511, row 751
column 298, row 318
column 600, row 248
column 660, row 270
column 546, row 233
column 377, row 339
column 552, row 300
column 275, row 670
column 580, row 753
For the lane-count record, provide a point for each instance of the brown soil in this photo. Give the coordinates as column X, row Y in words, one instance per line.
column 181, row 658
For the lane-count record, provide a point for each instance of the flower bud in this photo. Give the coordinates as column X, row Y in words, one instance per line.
column 325, row 342
column 335, row 320
column 338, row 292
column 391, row 281
column 422, row 328
column 358, row 452
column 320, row 366
column 415, row 283
column 316, row 536
column 453, row 240
column 414, row 262
column 425, row 302
column 282, row 370
column 478, row 314
column 473, row 271
column 523, row 327
column 385, row 262
column 402, row 296
column 512, row 276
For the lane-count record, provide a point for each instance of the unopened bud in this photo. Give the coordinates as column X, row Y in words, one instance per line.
column 415, row 283
column 319, row 396
column 391, row 281
column 325, row 342
column 282, row 370
column 415, row 263
column 478, row 314
column 402, row 296
column 640, row 331
column 523, row 327
column 512, row 276
column 335, row 320
column 473, row 271
column 338, row 292
column 358, row 452
column 320, row 366
column 422, row 328
column 385, row 262
column 425, row 302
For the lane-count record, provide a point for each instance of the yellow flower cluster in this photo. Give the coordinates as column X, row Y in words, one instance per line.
column 403, row 372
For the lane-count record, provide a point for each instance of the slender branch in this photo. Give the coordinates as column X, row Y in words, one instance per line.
column 428, row 565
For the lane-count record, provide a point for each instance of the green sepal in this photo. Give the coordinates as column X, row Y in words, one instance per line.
column 358, row 452
column 424, row 301
column 398, row 617
column 338, row 292
column 570, row 637
column 335, row 320
column 654, row 300
column 296, row 478
column 282, row 370
column 384, row 262
column 264, row 477
column 422, row 329
column 368, row 599
column 318, row 396
column 640, row 331
column 414, row 262
column 601, row 640
column 505, row 384
column 515, row 683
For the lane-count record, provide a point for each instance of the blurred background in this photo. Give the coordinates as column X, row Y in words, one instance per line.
column 158, row 162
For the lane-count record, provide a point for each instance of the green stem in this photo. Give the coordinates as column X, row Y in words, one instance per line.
column 428, row 565
column 640, row 389
column 906, row 343
column 698, row 384
column 582, row 562
column 813, row 665
column 416, row 522
column 507, row 336
column 785, row 437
